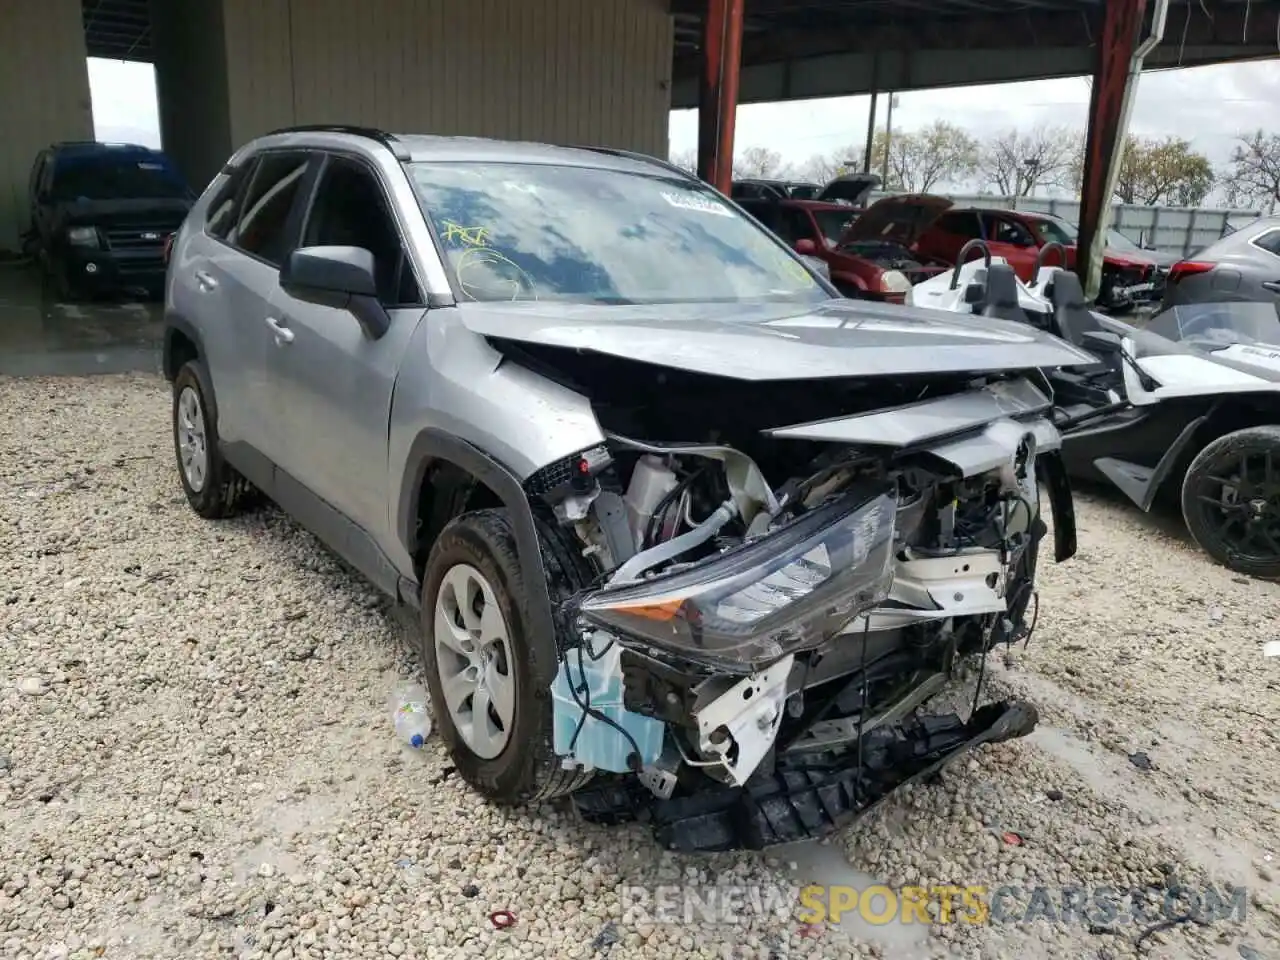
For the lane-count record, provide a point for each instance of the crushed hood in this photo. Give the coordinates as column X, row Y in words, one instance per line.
column 763, row 342
column 852, row 188
column 901, row 219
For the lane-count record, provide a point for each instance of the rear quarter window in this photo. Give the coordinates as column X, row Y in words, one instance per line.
column 224, row 206
column 1269, row 241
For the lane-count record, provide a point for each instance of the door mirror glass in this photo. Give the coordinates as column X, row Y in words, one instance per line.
column 341, row 277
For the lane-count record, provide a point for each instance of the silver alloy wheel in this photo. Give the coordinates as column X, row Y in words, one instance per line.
column 192, row 449
column 473, row 657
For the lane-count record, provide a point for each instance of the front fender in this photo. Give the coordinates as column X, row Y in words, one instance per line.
column 432, row 446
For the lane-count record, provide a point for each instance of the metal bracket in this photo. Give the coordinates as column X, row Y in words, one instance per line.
column 747, row 716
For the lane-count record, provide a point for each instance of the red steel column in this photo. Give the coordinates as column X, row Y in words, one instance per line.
column 1114, row 78
column 710, row 91
column 731, row 61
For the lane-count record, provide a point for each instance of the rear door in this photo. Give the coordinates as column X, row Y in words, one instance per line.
column 1264, row 280
column 237, row 281
column 948, row 235
column 1010, row 238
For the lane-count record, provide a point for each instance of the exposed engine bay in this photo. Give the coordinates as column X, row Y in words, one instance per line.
column 892, row 255
column 776, row 598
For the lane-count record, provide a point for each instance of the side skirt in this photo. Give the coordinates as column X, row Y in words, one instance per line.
column 328, row 524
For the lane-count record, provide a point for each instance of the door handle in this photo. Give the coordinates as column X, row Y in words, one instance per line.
column 206, row 281
column 282, row 333
column 1272, row 285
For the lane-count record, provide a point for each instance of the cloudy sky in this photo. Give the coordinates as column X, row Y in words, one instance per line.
column 1209, row 106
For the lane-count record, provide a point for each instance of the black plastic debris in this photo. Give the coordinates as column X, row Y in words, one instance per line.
column 1054, row 795
column 1142, row 761
column 606, row 938
column 809, row 796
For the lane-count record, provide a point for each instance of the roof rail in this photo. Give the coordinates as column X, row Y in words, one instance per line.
column 371, row 133
column 100, row 143
column 637, row 155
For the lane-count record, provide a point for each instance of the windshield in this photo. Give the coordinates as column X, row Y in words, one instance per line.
column 516, row 231
column 833, row 223
column 1119, row 241
column 1212, row 326
column 1060, row 231
column 115, row 178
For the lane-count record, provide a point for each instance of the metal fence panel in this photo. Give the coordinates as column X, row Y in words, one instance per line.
column 1178, row 230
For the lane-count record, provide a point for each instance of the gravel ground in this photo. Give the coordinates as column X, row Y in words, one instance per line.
column 196, row 757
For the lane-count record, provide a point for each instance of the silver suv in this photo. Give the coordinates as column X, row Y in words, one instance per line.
column 691, row 535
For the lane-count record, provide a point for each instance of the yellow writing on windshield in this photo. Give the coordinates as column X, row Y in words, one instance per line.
column 467, row 236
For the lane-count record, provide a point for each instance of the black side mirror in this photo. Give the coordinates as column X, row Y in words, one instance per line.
column 1101, row 341
column 341, row 277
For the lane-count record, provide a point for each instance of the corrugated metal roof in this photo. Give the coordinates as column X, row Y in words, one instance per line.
column 118, row 29
column 789, row 30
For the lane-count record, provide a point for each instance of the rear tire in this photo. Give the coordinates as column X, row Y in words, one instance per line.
column 212, row 486
column 479, row 549
column 1231, row 501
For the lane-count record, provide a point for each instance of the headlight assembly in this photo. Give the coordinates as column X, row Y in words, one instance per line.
column 82, row 236
column 784, row 592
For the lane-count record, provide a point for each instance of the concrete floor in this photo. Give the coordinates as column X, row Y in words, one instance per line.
column 40, row 337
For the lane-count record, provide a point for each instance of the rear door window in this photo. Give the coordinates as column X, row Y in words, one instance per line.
column 764, row 211
column 264, row 225
column 961, row 225
column 796, row 225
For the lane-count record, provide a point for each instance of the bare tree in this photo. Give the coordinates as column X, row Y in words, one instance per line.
column 920, row 160
column 822, row 168
column 759, row 162
column 1254, row 175
column 686, row 160
column 1016, row 163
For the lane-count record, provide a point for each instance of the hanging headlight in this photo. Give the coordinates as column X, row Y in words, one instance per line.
column 784, row 592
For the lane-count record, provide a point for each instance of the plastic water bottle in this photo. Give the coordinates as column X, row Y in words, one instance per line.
column 412, row 716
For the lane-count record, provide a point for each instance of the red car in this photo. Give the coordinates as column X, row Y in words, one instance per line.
column 865, row 258
column 1018, row 236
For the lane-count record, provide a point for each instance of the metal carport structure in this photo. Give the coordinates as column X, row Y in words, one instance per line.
column 730, row 52
column 599, row 71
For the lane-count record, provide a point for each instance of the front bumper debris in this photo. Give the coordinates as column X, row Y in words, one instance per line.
column 808, row 797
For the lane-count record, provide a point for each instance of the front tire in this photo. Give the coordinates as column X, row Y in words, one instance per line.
column 212, row 486
column 1231, row 501
column 489, row 675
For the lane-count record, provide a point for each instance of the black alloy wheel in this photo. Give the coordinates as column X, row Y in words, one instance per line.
column 1231, row 500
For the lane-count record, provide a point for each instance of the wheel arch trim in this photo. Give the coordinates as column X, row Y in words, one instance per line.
column 175, row 323
column 432, row 446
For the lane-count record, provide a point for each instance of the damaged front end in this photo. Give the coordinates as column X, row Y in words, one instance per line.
column 752, row 661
